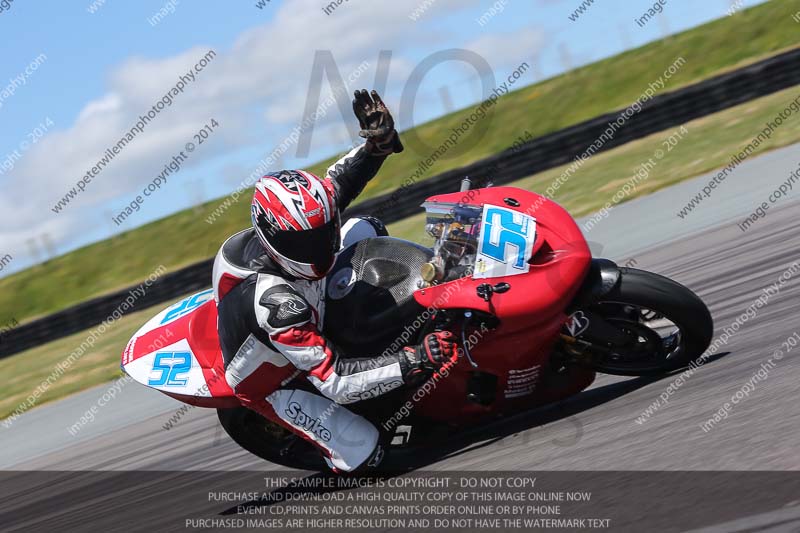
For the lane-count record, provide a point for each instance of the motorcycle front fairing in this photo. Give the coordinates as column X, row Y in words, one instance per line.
column 535, row 247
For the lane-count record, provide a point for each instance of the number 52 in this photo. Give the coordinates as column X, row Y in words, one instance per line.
column 172, row 368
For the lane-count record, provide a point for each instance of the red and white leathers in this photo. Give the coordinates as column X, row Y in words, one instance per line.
column 270, row 332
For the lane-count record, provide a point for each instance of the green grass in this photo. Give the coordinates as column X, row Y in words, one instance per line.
column 22, row 373
column 708, row 145
column 579, row 95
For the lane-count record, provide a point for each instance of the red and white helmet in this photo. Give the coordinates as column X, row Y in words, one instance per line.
column 297, row 220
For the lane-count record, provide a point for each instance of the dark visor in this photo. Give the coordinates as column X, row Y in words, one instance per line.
column 311, row 246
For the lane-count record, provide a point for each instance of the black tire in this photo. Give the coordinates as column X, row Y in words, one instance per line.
column 676, row 303
column 267, row 440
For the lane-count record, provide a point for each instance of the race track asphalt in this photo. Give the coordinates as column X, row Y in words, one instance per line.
column 594, row 431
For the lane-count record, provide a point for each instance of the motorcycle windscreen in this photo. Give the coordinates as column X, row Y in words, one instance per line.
column 177, row 352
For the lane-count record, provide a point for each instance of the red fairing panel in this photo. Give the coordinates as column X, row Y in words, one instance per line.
column 177, row 352
column 531, row 313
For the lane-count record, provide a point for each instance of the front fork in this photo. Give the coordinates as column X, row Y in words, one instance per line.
column 587, row 337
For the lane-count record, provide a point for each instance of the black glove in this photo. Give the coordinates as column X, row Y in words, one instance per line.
column 377, row 124
column 437, row 349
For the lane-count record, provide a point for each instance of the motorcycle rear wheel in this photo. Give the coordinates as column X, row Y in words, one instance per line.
column 269, row 441
column 669, row 325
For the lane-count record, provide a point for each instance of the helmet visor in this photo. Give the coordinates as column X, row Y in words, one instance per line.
column 316, row 247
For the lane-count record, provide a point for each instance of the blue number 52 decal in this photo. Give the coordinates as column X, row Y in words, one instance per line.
column 172, row 368
column 187, row 305
column 502, row 229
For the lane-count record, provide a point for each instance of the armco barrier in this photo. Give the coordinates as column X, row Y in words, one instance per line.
column 551, row 150
column 87, row 314
column 563, row 146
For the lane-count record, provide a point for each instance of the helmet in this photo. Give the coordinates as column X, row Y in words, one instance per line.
column 297, row 220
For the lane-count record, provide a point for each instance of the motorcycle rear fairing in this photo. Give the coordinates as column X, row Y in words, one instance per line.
column 177, row 352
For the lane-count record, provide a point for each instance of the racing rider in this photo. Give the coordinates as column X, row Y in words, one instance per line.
column 269, row 283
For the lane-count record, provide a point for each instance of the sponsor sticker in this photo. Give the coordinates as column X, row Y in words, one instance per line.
column 374, row 392
column 127, row 355
column 303, row 420
column 522, row 382
column 577, row 324
column 341, row 283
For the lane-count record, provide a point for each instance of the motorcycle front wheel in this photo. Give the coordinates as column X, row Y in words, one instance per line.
column 658, row 326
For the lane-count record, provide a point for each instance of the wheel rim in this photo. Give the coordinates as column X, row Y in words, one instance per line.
column 656, row 340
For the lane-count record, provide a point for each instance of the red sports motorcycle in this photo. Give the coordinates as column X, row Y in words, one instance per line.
column 509, row 273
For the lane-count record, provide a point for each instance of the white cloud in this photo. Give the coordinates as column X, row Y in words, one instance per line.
column 258, row 85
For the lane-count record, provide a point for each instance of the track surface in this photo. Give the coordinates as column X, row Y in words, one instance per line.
column 597, row 430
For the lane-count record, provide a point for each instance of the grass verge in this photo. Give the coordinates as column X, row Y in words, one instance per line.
column 573, row 97
column 709, row 144
column 22, row 373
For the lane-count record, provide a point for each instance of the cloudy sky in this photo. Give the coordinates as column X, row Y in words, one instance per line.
column 91, row 74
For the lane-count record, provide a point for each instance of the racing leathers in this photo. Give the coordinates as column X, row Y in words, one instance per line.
column 270, row 332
